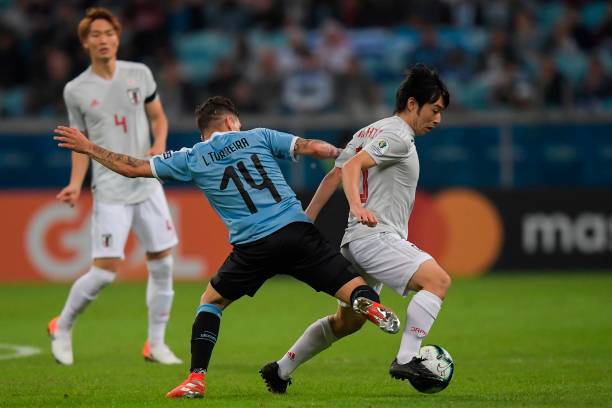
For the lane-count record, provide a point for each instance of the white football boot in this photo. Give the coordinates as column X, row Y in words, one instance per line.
column 61, row 343
column 160, row 354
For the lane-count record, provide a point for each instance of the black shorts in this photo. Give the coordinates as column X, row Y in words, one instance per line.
column 298, row 250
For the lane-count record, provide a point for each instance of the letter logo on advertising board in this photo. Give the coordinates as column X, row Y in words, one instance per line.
column 588, row 233
column 51, row 241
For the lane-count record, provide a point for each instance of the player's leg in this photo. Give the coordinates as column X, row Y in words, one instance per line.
column 241, row 274
column 319, row 336
column 110, row 228
column 431, row 284
column 204, row 334
column 400, row 265
column 326, row 270
column 156, row 233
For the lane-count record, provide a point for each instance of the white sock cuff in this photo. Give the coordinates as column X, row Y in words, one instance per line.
column 430, row 302
column 328, row 333
column 102, row 276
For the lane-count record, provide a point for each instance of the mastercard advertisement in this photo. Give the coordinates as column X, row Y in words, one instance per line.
column 468, row 232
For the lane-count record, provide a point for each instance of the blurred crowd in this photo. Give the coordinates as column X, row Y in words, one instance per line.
column 274, row 56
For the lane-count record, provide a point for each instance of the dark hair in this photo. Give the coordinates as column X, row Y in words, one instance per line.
column 424, row 85
column 212, row 109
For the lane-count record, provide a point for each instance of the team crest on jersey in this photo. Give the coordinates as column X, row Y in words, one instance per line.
column 380, row 147
column 134, row 95
column 107, row 240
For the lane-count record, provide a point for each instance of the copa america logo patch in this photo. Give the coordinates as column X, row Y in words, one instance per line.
column 167, row 155
column 380, row 147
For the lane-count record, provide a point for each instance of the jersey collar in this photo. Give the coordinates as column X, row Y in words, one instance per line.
column 216, row 134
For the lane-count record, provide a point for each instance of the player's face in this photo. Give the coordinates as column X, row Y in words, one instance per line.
column 102, row 41
column 428, row 117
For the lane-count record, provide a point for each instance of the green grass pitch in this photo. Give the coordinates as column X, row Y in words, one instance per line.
column 518, row 340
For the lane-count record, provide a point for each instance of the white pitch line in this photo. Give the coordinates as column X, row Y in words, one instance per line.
column 17, row 351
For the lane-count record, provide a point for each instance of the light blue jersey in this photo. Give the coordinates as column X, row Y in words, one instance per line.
column 239, row 175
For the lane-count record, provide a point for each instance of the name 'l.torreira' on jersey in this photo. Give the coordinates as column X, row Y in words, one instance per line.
column 243, row 161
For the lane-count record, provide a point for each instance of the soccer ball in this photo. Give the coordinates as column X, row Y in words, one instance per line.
column 439, row 362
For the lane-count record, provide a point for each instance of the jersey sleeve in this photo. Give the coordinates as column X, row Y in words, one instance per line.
column 150, row 85
column 172, row 165
column 348, row 152
column 76, row 119
column 281, row 144
column 387, row 148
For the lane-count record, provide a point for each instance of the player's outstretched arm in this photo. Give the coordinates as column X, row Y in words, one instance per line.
column 123, row 164
column 326, row 189
column 315, row 148
column 351, row 177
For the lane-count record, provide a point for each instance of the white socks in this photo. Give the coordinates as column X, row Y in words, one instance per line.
column 317, row 337
column 159, row 297
column 422, row 312
column 83, row 291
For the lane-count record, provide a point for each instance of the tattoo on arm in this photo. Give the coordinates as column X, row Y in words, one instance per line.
column 316, row 148
column 120, row 163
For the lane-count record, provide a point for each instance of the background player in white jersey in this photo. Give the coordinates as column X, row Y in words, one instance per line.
column 112, row 102
column 379, row 170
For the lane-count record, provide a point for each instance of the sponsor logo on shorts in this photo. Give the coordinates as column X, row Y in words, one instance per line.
column 167, row 155
column 107, row 240
column 418, row 331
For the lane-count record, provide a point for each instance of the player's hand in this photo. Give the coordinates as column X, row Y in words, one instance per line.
column 156, row 149
column 72, row 139
column 364, row 216
column 69, row 194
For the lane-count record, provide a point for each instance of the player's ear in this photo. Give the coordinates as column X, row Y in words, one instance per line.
column 412, row 104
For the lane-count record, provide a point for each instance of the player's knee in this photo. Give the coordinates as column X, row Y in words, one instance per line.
column 440, row 283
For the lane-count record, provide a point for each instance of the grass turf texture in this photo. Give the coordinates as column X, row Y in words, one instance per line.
column 522, row 340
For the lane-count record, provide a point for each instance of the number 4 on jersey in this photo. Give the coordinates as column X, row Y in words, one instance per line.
column 121, row 122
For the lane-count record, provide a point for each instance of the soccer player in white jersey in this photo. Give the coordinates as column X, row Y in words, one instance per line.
column 379, row 170
column 113, row 102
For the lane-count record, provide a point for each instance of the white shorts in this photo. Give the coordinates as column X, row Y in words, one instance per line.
column 111, row 224
column 385, row 258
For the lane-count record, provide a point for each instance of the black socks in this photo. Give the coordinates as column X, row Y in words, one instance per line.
column 204, row 333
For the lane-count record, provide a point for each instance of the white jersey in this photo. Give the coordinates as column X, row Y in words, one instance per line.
column 387, row 189
column 112, row 112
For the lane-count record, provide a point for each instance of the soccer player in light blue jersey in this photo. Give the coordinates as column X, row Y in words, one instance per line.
column 270, row 233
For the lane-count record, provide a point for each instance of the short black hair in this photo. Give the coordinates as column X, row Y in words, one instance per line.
column 212, row 109
column 424, row 85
